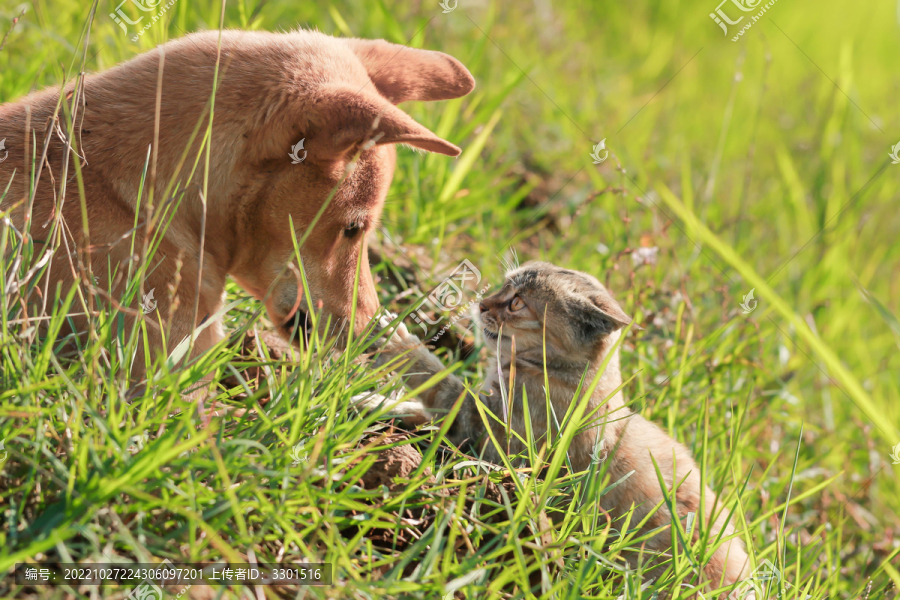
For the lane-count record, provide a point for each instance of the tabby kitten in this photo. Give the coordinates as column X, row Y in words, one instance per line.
column 576, row 319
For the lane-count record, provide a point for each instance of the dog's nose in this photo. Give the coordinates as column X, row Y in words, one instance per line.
column 297, row 324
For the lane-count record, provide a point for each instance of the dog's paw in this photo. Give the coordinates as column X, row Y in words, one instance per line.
column 386, row 340
column 397, row 333
column 397, row 342
column 410, row 412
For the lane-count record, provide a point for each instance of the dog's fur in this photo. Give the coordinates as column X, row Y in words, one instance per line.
column 274, row 89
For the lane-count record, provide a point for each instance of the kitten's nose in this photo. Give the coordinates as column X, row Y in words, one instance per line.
column 482, row 307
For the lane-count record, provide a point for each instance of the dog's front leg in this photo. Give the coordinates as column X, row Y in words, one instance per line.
column 417, row 365
column 175, row 315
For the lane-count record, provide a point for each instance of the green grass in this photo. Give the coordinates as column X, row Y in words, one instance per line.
column 747, row 165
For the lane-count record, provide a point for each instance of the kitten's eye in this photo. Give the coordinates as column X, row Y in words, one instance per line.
column 352, row 230
column 516, row 304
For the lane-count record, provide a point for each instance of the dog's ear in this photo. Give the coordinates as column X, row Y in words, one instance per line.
column 343, row 118
column 400, row 73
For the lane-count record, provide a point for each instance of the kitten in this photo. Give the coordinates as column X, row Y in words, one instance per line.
column 569, row 317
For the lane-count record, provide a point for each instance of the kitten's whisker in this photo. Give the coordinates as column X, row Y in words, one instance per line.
column 509, row 261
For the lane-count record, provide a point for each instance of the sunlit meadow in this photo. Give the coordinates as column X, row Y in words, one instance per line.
column 744, row 212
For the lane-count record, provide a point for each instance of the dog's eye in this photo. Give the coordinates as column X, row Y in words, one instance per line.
column 352, row 230
column 516, row 304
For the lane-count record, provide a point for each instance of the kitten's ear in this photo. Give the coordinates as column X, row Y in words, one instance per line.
column 608, row 315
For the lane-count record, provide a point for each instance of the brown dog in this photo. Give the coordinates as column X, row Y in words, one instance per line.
column 273, row 90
